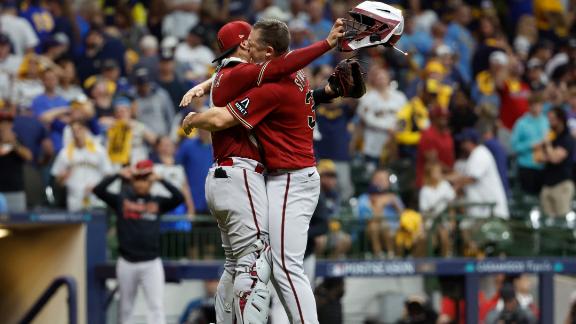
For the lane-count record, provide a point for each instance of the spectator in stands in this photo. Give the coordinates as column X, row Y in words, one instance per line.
column 128, row 139
column 459, row 36
column 79, row 166
column 9, row 65
column 558, row 189
column 335, row 241
column 68, row 88
column 197, row 56
column 319, row 26
column 169, row 80
column 380, row 208
column 435, row 195
column 129, row 31
column 165, row 166
column 102, row 95
column 112, row 74
column 535, row 77
column 155, row 108
column 413, row 118
column 13, row 156
column 462, row 112
column 480, row 180
column 527, row 137
column 488, row 133
column 436, row 144
column 51, row 108
column 138, row 215
column 28, row 85
column 180, row 16
column 195, row 154
column 149, row 57
column 99, row 47
column 418, row 311
column 377, row 110
column 18, row 29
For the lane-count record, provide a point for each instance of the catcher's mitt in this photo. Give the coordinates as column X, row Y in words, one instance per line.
column 347, row 79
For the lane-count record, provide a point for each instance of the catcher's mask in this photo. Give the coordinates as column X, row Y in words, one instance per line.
column 373, row 23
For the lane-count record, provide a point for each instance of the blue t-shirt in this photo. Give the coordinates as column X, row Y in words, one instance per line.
column 320, row 30
column 42, row 22
column 527, row 131
column 332, row 123
column 196, row 157
column 44, row 103
column 461, row 40
column 30, row 132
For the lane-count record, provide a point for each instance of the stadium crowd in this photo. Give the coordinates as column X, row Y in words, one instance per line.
column 481, row 110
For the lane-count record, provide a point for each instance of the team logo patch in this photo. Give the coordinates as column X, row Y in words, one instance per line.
column 242, row 106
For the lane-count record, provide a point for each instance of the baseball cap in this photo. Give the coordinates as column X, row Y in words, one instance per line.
column 435, row 67
column 499, row 57
column 326, row 167
column 142, row 76
column 444, row 50
column 121, row 102
column 230, row 36
column 534, row 63
column 143, row 168
column 468, row 134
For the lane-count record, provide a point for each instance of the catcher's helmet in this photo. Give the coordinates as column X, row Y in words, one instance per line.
column 373, row 23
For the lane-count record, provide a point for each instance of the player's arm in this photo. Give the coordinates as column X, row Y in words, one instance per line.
column 213, row 120
column 198, row 90
column 101, row 190
column 247, row 76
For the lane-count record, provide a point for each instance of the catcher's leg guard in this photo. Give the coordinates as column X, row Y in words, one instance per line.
column 251, row 289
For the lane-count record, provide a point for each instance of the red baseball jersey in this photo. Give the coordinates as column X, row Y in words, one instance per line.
column 283, row 118
column 234, row 141
column 245, row 76
column 236, row 78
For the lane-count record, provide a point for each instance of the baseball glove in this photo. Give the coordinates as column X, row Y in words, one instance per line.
column 347, row 79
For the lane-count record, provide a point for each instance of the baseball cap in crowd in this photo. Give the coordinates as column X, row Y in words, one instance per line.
column 468, row 134
column 326, row 167
column 142, row 76
column 534, row 63
column 230, row 36
column 143, row 168
column 444, row 50
column 121, row 102
column 498, row 57
column 166, row 55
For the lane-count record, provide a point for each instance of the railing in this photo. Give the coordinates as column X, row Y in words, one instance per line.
column 521, row 235
column 70, row 284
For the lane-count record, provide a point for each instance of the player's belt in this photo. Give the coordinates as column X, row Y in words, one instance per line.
column 259, row 168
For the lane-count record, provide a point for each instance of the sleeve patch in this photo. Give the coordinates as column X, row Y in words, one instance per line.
column 242, row 106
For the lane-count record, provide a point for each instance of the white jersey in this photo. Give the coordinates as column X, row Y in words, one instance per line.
column 488, row 187
column 378, row 113
column 87, row 165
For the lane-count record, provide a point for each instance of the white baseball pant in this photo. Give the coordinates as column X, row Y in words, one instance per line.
column 237, row 198
column 150, row 276
column 277, row 313
column 292, row 196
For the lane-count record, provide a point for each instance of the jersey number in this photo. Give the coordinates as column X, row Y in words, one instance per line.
column 310, row 101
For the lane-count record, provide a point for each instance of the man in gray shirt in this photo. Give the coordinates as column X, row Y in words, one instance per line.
column 155, row 109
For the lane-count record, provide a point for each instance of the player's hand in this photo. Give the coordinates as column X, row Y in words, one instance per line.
column 195, row 92
column 336, row 32
column 186, row 123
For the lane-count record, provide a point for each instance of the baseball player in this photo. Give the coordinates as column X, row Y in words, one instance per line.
column 235, row 186
column 281, row 118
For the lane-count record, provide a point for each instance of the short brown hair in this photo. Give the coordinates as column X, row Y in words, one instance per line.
column 274, row 33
